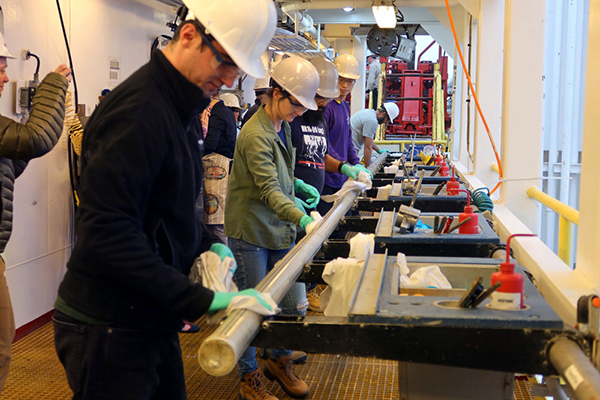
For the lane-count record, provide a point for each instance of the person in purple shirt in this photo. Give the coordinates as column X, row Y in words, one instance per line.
column 337, row 116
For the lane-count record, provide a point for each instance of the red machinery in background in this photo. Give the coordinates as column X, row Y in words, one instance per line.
column 412, row 90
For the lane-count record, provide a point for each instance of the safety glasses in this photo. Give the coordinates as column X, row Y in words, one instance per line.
column 346, row 81
column 224, row 69
column 289, row 97
column 321, row 99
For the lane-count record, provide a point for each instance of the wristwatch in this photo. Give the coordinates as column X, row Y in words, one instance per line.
column 340, row 165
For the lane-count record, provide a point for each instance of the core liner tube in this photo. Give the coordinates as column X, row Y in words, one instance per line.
column 219, row 353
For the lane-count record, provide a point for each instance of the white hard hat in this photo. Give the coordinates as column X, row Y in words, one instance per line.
column 230, row 100
column 392, row 110
column 4, row 50
column 347, row 66
column 328, row 77
column 262, row 83
column 243, row 28
column 299, row 78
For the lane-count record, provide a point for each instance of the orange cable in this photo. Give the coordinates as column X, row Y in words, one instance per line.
column 487, row 128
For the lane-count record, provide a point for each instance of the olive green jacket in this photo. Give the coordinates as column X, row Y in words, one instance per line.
column 20, row 143
column 260, row 206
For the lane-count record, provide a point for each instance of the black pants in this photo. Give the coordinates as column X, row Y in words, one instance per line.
column 374, row 94
column 113, row 362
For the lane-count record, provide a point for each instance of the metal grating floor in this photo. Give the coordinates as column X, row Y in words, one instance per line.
column 36, row 373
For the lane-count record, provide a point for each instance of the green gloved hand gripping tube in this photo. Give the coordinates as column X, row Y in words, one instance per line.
column 362, row 168
column 305, row 221
column 222, row 299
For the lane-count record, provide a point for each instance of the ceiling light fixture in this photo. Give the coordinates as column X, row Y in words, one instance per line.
column 384, row 12
column 348, row 9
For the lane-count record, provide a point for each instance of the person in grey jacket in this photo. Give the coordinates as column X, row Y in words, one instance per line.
column 20, row 143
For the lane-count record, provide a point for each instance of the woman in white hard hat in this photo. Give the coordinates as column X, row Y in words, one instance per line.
column 261, row 216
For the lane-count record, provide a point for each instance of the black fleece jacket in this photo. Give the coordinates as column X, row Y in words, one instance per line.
column 222, row 131
column 138, row 231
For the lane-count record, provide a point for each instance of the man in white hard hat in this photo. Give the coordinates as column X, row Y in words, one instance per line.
column 19, row 144
column 126, row 291
column 310, row 137
column 373, row 79
column 364, row 126
column 337, row 115
column 261, row 87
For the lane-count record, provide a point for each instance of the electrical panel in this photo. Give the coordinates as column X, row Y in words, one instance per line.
column 24, row 93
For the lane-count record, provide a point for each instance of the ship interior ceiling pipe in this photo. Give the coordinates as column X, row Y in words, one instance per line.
column 220, row 352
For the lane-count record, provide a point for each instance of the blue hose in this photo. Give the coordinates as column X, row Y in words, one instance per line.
column 481, row 199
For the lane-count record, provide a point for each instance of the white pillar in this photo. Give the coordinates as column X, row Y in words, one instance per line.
column 358, row 93
column 589, row 221
column 488, row 86
column 522, row 117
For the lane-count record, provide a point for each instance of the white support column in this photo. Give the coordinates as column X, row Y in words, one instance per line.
column 467, row 107
column 358, row 93
column 552, row 112
column 522, row 116
column 589, row 239
column 488, row 86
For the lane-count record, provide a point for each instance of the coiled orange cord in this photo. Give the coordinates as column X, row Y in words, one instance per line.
column 487, row 128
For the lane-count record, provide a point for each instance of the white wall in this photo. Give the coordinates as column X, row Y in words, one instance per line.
column 40, row 245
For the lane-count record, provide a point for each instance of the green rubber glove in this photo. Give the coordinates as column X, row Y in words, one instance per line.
column 310, row 192
column 383, row 151
column 362, row 168
column 301, row 205
column 305, row 221
column 222, row 300
column 350, row 171
column 223, row 251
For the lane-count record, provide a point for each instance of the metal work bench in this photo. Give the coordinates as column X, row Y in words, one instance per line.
column 472, row 352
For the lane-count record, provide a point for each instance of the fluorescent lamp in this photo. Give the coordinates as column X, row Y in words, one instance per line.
column 348, row 9
column 385, row 16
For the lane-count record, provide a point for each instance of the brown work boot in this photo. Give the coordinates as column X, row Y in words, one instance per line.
column 282, row 370
column 252, row 387
column 314, row 298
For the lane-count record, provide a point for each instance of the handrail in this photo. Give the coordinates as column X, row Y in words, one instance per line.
column 567, row 215
column 220, row 352
column 557, row 206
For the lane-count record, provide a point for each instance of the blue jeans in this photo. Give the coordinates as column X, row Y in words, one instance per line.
column 108, row 362
column 253, row 264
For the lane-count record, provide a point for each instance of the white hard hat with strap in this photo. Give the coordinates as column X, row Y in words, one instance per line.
column 243, row 28
column 328, row 78
column 347, row 66
column 299, row 78
column 230, row 100
column 392, row 110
